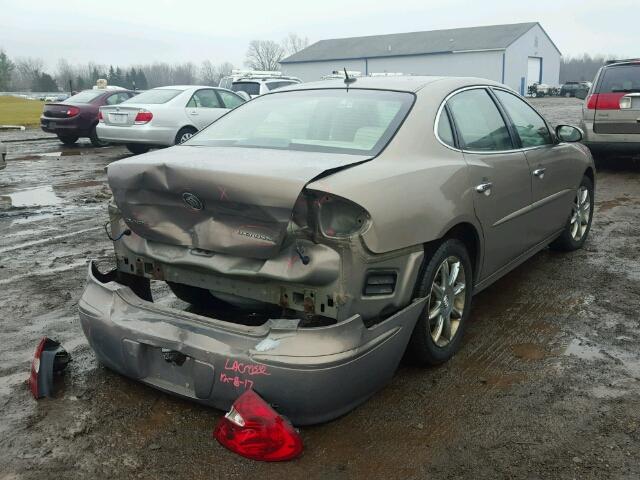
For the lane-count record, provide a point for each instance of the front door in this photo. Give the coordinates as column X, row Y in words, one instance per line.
column 550, row 166
column 499, row 174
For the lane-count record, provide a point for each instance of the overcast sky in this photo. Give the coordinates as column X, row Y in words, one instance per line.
column 124, row 32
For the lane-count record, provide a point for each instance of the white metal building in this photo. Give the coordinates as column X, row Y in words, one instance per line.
column 517, row 55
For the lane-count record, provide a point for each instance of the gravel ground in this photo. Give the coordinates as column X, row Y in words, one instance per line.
column 545, row 387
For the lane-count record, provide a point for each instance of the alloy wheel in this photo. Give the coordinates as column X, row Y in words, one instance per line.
column 185, row 136
column 581, row 213
column 446, row 301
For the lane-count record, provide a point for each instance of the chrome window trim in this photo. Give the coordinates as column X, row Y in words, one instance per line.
column 482, row 152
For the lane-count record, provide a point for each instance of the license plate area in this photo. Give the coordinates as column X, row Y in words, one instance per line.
column 169, row 369
column 118, row 118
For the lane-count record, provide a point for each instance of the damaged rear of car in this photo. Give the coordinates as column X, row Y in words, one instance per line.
column 285, row 296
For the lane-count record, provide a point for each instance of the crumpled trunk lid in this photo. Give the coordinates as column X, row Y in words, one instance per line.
column 222, row 199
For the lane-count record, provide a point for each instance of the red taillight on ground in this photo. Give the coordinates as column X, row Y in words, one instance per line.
column 254, row 430
column 143, row 117
column 100, row 117
column 49, row 359
column 73, row 111
column 35, row 369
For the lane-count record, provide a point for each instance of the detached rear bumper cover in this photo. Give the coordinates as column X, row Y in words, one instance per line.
column 311, row 375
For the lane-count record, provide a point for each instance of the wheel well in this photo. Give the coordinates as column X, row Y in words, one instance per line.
column 468, row 235
column 589, row 173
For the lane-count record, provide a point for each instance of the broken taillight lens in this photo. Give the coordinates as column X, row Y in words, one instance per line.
column 254, row 430
column 35, row 368
column 49, row 359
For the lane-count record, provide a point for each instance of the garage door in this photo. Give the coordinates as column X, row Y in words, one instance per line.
column 534, row 71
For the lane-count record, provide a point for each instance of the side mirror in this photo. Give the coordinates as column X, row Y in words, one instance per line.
column 567, row 133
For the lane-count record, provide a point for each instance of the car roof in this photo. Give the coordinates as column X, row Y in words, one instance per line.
column 183, row 87
column 265, row 80
column 403, row 83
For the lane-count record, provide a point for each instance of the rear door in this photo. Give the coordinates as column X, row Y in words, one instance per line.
column 230, row 100
column 550, row 165
column 499, row 173
column 204, row 107
column 617, row 105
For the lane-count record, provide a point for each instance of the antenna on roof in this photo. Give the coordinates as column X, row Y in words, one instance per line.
column 347, row 78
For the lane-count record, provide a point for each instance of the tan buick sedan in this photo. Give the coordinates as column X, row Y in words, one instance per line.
column 319, row 231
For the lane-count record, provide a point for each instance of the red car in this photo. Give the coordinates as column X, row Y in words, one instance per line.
column 77, row 116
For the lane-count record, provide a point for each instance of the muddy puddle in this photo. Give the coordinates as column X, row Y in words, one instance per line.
column 31, row 197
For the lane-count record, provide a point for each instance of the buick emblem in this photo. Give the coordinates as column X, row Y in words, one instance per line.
column 192, row 201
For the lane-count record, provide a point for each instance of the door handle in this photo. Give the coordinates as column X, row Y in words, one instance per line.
column 539, row 172
column 484, row 188
column 193, row 112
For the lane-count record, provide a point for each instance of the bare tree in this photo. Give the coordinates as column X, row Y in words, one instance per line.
column 211, row 74
column 581, row 68
column 184, row 74
column 27, row 71
column 294, row 43
column 264, row 55
column 65, row 73
column 208, row 73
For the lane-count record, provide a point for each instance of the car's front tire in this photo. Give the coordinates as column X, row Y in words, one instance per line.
column 137, row 148
column 447, row 282
column 576, row 231
column 68, row 139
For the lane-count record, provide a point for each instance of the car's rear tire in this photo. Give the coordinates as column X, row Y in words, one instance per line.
column 576, row 231
column 95, row 140
column 137, row 148
column 184, row 134
column 68, row 139
column 196, row 296
column 438, row 332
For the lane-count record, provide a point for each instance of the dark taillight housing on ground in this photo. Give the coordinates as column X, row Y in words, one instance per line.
column 72, row 111
column 142, row 117
column 255, row 430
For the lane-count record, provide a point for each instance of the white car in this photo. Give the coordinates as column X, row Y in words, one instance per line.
column 164, row 116
column 252, row 83
column 259, row 86
column 3, row 156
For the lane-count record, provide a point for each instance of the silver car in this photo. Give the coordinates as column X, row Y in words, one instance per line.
column 3, row 156
column 319, row 231
column 164, row 116
column 611, row 111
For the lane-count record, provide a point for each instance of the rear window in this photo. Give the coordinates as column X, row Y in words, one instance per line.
column 155, row 96
column 251, row 88
column 86, row 96
column 625, row 78
column 359, row 122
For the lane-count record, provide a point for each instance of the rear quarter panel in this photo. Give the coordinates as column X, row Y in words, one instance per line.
column 417, row 189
